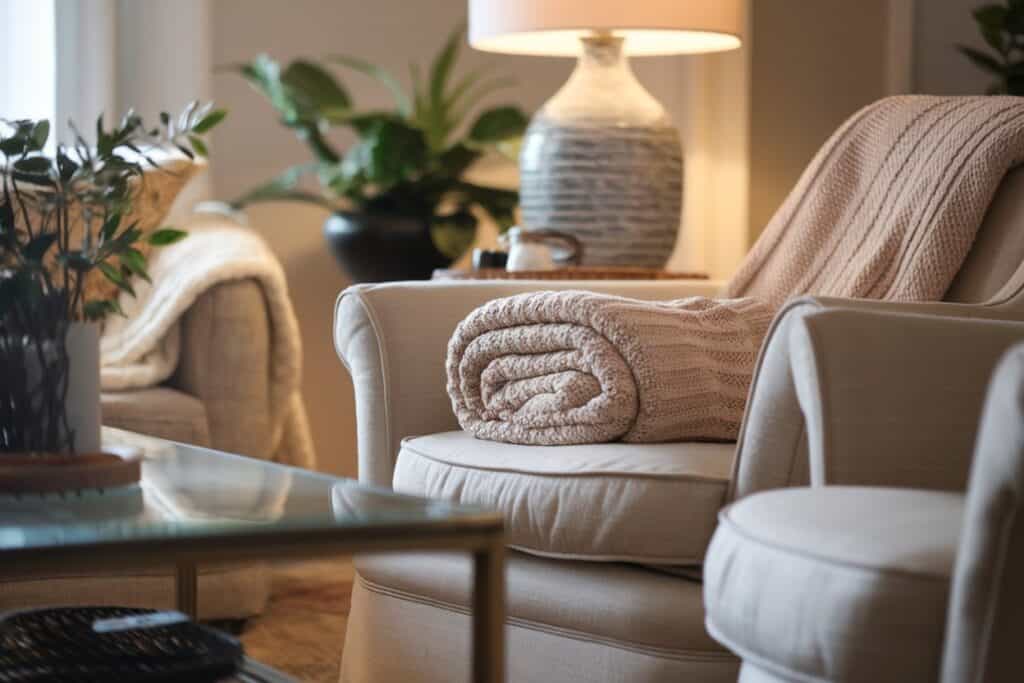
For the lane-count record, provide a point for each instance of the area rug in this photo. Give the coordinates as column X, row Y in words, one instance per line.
column 302, row 631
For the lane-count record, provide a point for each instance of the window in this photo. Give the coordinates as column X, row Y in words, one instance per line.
column 28, row 59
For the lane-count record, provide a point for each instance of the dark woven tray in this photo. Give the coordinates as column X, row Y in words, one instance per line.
column 60, row 644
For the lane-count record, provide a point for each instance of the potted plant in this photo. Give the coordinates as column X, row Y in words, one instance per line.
column 69, row 220
column 1002, row 28
column 402, row 206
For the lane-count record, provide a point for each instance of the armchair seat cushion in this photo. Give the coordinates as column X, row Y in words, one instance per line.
column 835, row 583
column 158, row 411
column 643, row 503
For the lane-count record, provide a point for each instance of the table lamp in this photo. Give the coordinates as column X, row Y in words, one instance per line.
column 601, row 159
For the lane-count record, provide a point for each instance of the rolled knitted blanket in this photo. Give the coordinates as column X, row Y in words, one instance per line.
column 888, row 209
column 572, row 367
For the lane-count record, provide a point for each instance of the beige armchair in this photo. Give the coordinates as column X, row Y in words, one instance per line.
column 884, row 569
column 604, row 536
column 219, row 394
column 218, row 397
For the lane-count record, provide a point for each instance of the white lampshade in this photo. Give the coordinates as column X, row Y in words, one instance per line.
column 650, row 27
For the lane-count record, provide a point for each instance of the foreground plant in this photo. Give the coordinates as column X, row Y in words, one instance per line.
column 407, row 162
column 62, row 223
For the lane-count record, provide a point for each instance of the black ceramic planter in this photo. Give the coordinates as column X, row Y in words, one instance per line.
column 380, row 248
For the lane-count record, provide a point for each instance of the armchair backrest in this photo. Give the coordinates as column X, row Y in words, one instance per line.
column 914, row 198
column 992, row 272
column 989, row 283
column 986, row 611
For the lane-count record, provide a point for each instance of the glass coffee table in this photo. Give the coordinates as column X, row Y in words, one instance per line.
column 196, row 506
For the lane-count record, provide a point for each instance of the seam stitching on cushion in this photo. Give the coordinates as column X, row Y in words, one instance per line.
column 547, row 628
column 825, row 444
column 793, row 459
column 385, row 374
column 1004, row 546
column 738, row 459
column 725, row 520
column 595, row 475
column 990, row 608
column 337, row 347
column 668, row 560
column 746, row 655
column 663, row 560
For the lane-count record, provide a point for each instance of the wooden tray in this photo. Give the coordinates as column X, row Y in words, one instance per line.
column 569, row 273
column 27, row 473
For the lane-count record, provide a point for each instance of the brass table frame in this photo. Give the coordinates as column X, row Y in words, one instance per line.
column 481, row 534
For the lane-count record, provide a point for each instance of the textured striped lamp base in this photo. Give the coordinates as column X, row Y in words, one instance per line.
column 603, row 162
column 616, row 189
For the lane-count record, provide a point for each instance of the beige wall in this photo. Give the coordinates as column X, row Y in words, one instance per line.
column 251, row 147
column 939, row 69
column 747, row 118
column 750, row 120
column 812, row 64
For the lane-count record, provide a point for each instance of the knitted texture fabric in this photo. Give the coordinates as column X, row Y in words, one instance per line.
column 888, row 209
column 890, row 206
column 574, row 367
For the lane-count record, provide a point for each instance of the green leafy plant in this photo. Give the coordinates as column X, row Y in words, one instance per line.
column 409, row 161
column 62, row 221
column 1002, row 27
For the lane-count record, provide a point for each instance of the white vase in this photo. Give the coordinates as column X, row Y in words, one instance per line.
column 82, row 404
column 77, row 411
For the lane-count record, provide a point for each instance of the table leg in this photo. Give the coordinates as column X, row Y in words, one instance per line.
column 186, row 590
column 489, row 614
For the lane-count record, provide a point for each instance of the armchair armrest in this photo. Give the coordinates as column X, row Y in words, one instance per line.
column 225, row 363
column 894, row 400
column 393, row 340
column 862, row 392
column 985, row 610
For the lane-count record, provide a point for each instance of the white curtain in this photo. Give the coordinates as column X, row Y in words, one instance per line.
column 150, row 55
column 27, row 59
column 86, row 58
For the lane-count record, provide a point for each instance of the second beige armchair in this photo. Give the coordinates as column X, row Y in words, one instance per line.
column 883, row 570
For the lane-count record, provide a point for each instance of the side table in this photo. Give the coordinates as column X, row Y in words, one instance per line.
column 198, row 506
column 568, row 273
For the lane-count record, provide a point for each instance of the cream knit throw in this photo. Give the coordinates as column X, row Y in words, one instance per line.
column 888, row 209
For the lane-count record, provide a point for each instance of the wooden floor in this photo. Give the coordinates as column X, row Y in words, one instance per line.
column 302, row 632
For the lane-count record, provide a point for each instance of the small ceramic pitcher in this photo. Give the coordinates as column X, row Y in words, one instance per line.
column 540, row 249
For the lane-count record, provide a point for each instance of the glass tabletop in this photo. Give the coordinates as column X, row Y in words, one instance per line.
column 192, row 492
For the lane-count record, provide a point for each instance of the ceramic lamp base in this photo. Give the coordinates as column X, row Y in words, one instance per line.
column 602, row 161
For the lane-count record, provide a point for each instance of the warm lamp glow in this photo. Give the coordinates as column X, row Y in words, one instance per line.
column 601, row 160
column 638, row 42
column 649, row 27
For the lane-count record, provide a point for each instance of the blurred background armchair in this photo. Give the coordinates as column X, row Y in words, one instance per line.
column 233, row 388
column 219, row 394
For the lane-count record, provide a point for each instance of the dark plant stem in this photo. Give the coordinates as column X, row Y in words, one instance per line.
column 34, row 360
